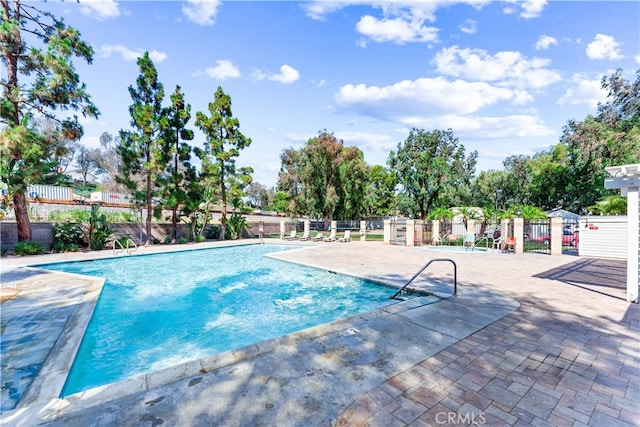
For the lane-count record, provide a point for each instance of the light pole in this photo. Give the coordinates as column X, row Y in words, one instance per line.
column 498, row 191
column 140, row 209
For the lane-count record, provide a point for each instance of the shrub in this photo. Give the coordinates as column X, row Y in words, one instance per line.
column 28, row 248
column 236, row 225
column 99, row 229
column 200, row 238
column 167, row 240
column 67, row 237
column 212, row 232
column 182, row 240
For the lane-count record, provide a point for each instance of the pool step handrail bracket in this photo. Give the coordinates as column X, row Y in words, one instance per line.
column 455, row 276
column 128, row 247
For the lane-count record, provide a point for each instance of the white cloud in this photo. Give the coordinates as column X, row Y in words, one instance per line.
column 201, row 12
column 286, row 76
column 584, row 91
column 396, row 30
column 545, row 42
column 90, row 141
column 506, row 68
column 469, row 26
column 532, row 8
column 368, row 141
column 100, row 9
column 637, row 58
column 529, row 8
column 298, row 138
column 223, row 70
column 131, row 55
column 514, row 126
column 604, row 47
column 425, row 96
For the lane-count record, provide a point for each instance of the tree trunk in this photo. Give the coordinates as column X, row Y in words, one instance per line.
column 149, row 209
column 22, row 216
column 174, row 223
column 223, row 194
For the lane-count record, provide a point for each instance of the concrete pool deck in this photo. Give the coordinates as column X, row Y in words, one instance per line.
column 522, row 344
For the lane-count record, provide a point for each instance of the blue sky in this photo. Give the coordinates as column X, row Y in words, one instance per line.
column 505, row 76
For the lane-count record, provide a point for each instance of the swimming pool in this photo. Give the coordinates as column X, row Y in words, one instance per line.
column 156, row 311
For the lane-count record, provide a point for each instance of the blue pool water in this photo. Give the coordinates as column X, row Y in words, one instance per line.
column 157, row 311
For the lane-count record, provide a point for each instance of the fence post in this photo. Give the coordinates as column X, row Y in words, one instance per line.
column 363, row 230
column 518, row 233
column 282, row 229
column 386, row 237
column 411, row 232
column 556, row 235
column 435, row 232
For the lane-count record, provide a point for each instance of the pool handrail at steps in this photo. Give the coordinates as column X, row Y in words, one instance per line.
column 455, row 276
column 130, row 247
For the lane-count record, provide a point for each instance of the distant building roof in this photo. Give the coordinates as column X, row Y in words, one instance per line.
column 561, row 213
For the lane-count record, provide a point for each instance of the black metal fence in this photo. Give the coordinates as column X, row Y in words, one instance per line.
column 570, row 236
column 537, row 235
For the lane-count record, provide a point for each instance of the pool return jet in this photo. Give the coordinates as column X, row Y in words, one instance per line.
column 455, row 276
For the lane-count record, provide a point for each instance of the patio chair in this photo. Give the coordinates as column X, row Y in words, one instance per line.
column 469, row 241
column 346, row 237
column 305, row 236
column 331, row 237
column 509, row 242
column 292, row 236
column 318, row 237
column 497, row 243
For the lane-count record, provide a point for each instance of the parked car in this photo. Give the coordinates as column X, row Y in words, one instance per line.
column 569, row 238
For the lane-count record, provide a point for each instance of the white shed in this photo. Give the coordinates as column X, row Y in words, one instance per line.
column 603, row 237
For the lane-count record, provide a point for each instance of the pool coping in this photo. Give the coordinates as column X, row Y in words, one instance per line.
column 40, row 404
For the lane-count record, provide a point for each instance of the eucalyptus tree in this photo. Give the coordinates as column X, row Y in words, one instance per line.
column 290, row 184
column 381, row 192
column 222, row 145
column 353, row 184
column 258, row 195
column 428, row 164
column 325, row 179
column 88, row 161
column 110, row 162
column 37, row 50
column 612, row 137
column 143, row 149
column 175, row 134
column 319, row 172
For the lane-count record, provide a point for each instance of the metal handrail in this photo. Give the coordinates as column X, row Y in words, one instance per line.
column 455, row 276
column 129, row 249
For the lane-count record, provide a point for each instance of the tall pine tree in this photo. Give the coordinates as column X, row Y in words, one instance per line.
column 222, row 145
column 176, row 133
column 40, row 81
column 143, row 150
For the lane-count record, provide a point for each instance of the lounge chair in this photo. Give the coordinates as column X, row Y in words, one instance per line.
column 318, row 237
column 470, row 241
column 292, row 236
column 510, row 242
column 305, row 236
column 332, row 236
column 346, row 237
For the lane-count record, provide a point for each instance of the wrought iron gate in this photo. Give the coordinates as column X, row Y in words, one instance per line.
column 537, row 235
